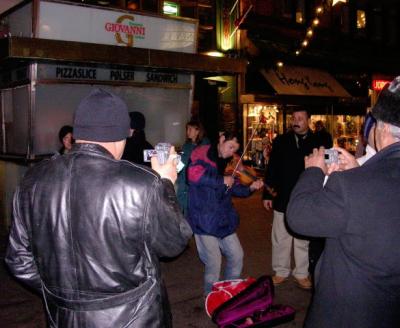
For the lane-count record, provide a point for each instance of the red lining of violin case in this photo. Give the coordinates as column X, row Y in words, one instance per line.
column 253, row 307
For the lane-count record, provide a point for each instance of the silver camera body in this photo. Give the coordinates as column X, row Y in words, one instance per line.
column 148, row 154
column 161, row 150
column 331, row 156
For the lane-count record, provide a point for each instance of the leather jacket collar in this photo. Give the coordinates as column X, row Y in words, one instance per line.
column 90, row 148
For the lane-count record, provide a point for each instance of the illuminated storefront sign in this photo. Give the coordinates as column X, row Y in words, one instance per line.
column 378, row 85
column 304, row 81
column 83, row 73
column 226, row 14
column 62, row 21
column 162, row 78
column 126, row 30
column 76, row 73
column 170, row 8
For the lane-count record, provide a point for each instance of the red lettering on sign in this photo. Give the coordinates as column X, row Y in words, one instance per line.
column 378, row 85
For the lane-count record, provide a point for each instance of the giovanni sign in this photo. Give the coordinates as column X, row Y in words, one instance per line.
column 62, row 21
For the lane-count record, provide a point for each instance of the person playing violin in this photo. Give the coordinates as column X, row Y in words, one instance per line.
column 245, row 174
column 210, row 212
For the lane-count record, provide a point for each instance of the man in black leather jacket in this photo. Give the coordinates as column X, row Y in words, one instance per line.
column 88, row 228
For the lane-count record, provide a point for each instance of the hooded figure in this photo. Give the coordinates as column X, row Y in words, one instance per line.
column 137, row 142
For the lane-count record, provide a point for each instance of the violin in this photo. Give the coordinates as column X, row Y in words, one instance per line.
column 246, row 175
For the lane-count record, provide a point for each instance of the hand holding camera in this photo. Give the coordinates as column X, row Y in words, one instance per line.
column 346, row 160
column 331, row 156
column 162, row 152
column 164, row 161
column 331, row 160
column 317, row 159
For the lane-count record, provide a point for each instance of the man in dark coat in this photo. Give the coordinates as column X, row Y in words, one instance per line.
column 284, row 168
column 323, row 135
column 88, row 228
column 358, row 212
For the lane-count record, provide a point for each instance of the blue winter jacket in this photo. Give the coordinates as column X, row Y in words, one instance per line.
column 211, row 211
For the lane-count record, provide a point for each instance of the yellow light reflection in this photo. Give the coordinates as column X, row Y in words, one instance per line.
column 214, row 54
column 334, row 2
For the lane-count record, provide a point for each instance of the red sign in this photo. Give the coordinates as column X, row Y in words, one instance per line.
column 378, row 85
column 131, row 30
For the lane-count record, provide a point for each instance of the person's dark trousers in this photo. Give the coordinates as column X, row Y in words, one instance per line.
column 315, row 250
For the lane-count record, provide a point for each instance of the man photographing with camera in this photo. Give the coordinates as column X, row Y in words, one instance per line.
column 88, row 228
column 357, row 280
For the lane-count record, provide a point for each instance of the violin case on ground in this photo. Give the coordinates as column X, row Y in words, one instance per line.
column 252, row 307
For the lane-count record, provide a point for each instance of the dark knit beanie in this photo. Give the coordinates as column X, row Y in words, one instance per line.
column 101, row 116
column 138, row 122
column 387, row 107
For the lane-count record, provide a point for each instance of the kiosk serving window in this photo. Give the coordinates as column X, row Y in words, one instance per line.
column 32, row 116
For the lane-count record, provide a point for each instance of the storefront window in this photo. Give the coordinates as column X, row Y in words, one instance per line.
column 345, row 129
column 261, row 126
column 361, row 19
column 262, row 122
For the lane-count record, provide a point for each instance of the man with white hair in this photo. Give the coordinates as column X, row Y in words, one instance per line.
column 358, row 212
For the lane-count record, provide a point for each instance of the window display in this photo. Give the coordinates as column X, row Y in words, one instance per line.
column 260, row 126
column 262, row 122
column 345, row 129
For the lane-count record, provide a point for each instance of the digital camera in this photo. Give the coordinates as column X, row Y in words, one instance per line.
column 331, row 156
column 161, row 150
column 148, row 154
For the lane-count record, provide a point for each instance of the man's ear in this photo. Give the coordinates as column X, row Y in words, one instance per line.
column 385, row 136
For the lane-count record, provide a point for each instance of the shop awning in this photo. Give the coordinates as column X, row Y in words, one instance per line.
column 303, row 81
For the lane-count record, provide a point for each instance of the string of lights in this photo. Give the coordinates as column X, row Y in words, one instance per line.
column 310, row 31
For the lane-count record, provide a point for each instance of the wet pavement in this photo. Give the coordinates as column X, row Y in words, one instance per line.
column 20, row 308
